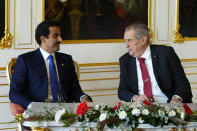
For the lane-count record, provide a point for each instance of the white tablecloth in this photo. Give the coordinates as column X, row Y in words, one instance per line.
column 54, row 126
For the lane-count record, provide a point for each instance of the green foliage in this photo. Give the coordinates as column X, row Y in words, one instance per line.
column 121, row 115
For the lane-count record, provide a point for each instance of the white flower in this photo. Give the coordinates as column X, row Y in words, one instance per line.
column 161, row 113
column 182, row 115
column 97, row 107
column 140, row 120
column 26, row 115
column 145, row 112
column 171, row 113
column 59, row 114
column 136, row 112
column 122, row 115
column 103, row 116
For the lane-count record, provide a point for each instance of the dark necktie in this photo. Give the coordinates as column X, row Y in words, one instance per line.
column 146, row 79
column 53, row 80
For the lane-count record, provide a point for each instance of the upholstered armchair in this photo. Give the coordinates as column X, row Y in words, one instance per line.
column 15, row 109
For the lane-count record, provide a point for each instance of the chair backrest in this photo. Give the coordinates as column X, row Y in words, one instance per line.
column 10, row 68
column 77, row 69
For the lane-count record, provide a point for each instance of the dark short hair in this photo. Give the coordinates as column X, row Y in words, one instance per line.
column 43, row 29
column 140, row 30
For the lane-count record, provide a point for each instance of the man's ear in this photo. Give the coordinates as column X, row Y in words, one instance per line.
column 144, row 40
column 43, row 39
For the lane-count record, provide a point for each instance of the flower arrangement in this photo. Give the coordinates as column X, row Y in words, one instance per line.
column 122, row 115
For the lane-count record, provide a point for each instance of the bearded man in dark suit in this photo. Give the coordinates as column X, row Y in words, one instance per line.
column 32, row 81
column 162, row 81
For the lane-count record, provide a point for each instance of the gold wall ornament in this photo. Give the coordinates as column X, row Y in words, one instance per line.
column 149, row 21
column 6, row 41
column 151, row 36
column 19, row 117
column 178, row 38
column 39, row 129
column 173, row 129
column 184, row 129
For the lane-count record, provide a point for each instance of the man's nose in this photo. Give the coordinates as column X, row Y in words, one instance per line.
column 59, row 38
column 127, row 44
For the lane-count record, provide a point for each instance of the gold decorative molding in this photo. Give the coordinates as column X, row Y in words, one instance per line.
column 1, row 123
column 116, row 41
column 191, row 73
column 105, row 89
column 6, row 102
column 193, row 82
column 8, row 128
column 173, row 129
column 6, row 41
column 104, row 95
column 151, row 36
column 178, row 38
column 4, row 84
column 4, row 96
column 3, row 76
column 189, row 60
column 99, row 64
column 189, row 66
column 184, row 129
column 194, row 88
column 149, row 20
column 2, row 68
column 99, row 71
column 99, row 79
column 39, row 129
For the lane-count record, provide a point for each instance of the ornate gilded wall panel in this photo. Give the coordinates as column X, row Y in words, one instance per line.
column 6, row 38
column 186, row 16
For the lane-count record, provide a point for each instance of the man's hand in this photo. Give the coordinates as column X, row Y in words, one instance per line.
column 175, row 100
column 140, row 98
column 16, row 108
column 85, row 98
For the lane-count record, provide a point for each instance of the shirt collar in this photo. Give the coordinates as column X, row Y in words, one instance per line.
column 45, row 54
column 146, row 54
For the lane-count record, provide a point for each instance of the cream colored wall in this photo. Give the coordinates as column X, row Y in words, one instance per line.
column 100, row 81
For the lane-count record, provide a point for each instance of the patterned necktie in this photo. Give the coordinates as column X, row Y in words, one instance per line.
column 146, row 79
column 53, row 80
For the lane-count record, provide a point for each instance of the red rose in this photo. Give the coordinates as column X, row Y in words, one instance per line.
column 187, row 109
column 82, row 108
column 145, row 102
column 119, row 103
column 115, row 108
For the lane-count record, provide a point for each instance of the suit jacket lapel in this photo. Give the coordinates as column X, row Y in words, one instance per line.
column 61, row 65
column 42, row 66
column 132, row 73
column 154, row 57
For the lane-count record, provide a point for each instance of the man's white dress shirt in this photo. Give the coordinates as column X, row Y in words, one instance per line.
column 158, row 95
